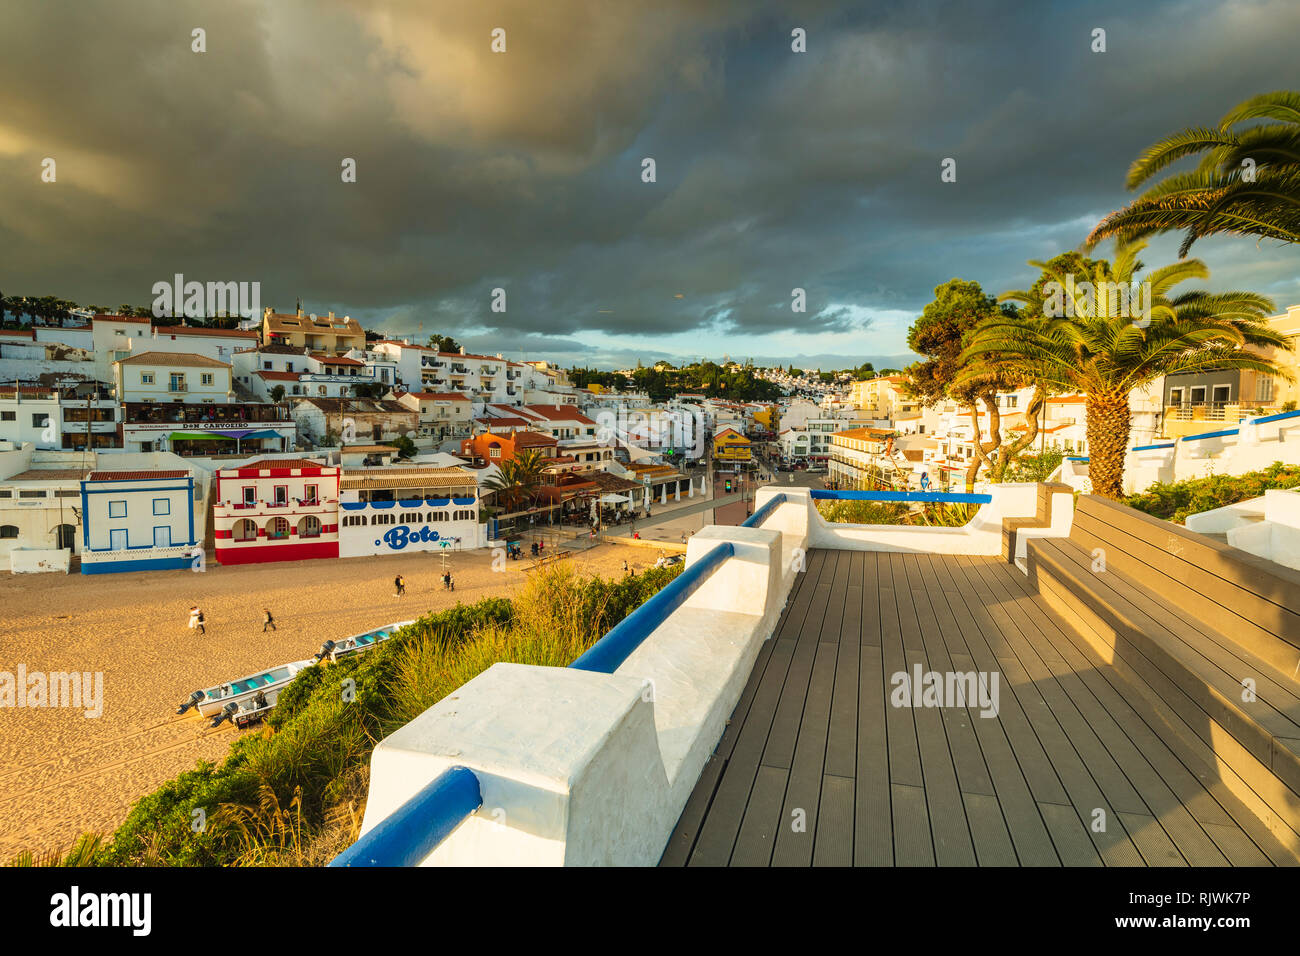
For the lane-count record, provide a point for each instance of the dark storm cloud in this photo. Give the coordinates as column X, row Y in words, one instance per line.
column 477, row 170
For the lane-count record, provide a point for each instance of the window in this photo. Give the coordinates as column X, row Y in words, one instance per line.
column 8, row 416
column 266, row 366
column 309, row 527
column 205, row 378
column 309, row 495
column 146, row 378
column 1175, row 396
column 277, row 529
column 8, row 531
column 1222, row 393
column 162, row 506
column 1264, row 388
column 117, row 509
column 250, row 495
column 281, row 494
column 245, row 530
column 1198, row 394
column 40, row 420
column 176, row 382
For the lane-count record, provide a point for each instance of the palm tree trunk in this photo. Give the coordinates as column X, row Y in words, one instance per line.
column 1109, row 419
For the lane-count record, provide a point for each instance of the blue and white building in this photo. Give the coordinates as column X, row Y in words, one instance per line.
column 401, row 510
column 137, row 521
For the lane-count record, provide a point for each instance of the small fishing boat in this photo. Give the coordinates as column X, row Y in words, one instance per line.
column 358, row 643
column 214, row 701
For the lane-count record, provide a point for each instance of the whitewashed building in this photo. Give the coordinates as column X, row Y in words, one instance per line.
column 137, row 521
column 400, row 510
column 173, row 377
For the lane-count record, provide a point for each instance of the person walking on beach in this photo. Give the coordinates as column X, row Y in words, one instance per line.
column 446, row 580
column 451, row 582
column 267, row 621
column 401, row 585
column 196, row 619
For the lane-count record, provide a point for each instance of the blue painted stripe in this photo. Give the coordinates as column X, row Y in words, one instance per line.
column 1154, row 447
column 1276, row 418
column 762, row 514
column 145, row 564
column 1226, row 433
column 1077, row 459
column 608, row 653
column 410, row 833
column 944, row 497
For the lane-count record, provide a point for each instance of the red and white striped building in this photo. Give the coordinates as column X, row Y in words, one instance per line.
column 276, row 510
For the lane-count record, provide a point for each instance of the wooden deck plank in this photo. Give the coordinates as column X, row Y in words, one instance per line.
column 762, row 819
column 717, row 834
column 913, row 845
column 834, row 840
column 784, row 733
column 1071, row 838
column 1150, row 837
column 794, row 846
column 993, row 846
column 904, row 751
column 948, row 826
column 873, row 841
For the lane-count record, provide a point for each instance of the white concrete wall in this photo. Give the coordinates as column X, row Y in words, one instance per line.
column 981, row 535
column 30, row 561
column 587, row 769
column 1254, row 447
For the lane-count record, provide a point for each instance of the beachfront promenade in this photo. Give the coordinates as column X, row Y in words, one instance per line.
column 816, row 694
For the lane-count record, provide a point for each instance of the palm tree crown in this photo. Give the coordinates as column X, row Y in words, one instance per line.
column 1247, row 182
column 1106, row 352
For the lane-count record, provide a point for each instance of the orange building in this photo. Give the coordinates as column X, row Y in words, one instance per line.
column 496, row 448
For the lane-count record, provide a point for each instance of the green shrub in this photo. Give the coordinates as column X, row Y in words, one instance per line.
column 1174, row 502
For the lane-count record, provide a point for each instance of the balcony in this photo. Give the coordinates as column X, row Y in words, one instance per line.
column 233, row 414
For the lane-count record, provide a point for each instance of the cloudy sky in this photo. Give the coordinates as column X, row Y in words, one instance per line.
column 523, row 170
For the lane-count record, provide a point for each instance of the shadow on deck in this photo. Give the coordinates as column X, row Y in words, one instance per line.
column 816, row 767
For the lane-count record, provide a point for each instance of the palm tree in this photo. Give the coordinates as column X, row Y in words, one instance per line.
column 1247, row 182
column 518, row 479
column 1101, row 351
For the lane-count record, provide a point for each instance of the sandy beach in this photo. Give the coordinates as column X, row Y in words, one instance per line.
column 62, row 773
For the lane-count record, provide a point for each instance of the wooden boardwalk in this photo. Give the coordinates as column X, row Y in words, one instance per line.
column 818, row 768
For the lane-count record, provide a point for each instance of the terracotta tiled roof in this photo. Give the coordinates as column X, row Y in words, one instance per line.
column 193, row 330
column 48, row 474
column 267, row 463
column 134, row 475
column 109, row 317
column 440, row 396
column 188, row 359
column 355, row 478
column 368, row 449
column 278, row 376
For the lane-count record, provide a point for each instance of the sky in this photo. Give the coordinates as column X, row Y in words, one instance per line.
column 524, row 170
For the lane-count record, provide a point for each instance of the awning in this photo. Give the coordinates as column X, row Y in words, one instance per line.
column 228, row 435
column 200, row 435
